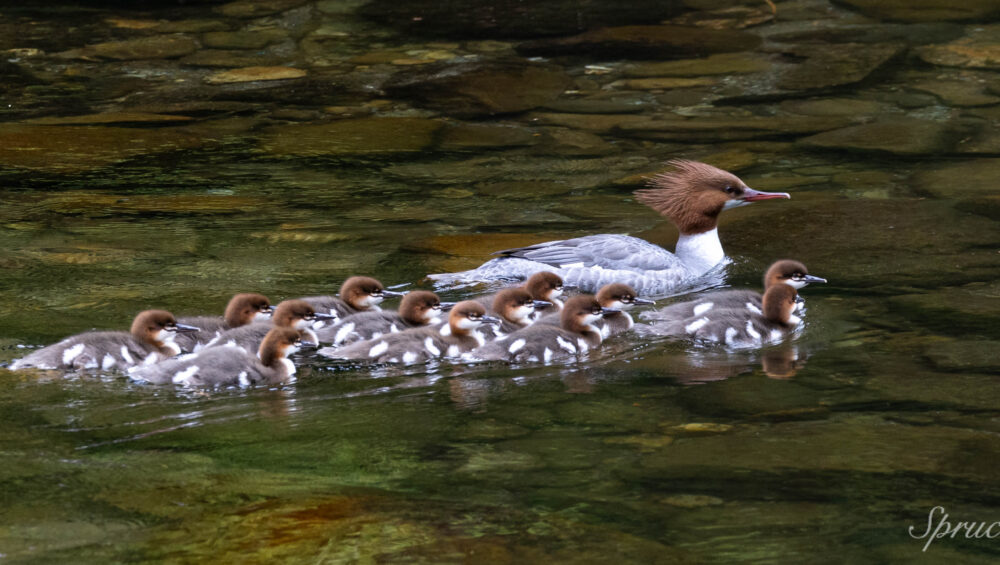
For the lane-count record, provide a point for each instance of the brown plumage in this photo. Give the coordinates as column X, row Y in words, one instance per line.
column 708, row 189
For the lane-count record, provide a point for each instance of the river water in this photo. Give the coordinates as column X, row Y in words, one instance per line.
column 169, row 155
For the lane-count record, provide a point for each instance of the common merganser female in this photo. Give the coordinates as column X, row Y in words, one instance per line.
column 231, row 365
column 295, row 314
column 738, row 327
column 614, row 296
column 785, row 271
column 357, row 294
column 692, row 197
column 418, row 308
column 417, row 345
column 242, row 309
column 151, row 339
column 577, row 335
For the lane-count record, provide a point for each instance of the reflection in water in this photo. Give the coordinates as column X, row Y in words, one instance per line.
column 136, row 176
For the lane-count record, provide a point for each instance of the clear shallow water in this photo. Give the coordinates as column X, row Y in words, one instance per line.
column 824, row 450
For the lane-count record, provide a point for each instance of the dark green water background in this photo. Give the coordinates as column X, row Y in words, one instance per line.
column 825, row 450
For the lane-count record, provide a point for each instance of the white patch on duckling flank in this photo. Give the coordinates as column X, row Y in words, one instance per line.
column 700, row 309
column 378, row 349
column 752, row 332
column 516, row 346
column 566, row 344
column 752, row 308
column 409, row 357
column 453, row 351
column 107, row 362
column 445, row 330
column 695, row 325
column 731, row 335
column 182, row 376
column 583, row 346
column 244, row 381
column 547, row 355
column 126, row 356
column 775, row 335
column 343, row 332
column 71, row 353
column 431, row 348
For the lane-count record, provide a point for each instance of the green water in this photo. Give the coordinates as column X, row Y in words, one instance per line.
column 827, row 449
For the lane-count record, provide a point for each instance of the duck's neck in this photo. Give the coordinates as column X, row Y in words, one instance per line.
column 700, row 251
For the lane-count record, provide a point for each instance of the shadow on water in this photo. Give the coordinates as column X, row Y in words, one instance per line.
column 169, row 155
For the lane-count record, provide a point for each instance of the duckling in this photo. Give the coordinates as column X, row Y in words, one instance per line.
column 231, row 365
column 150, row 339
column 737, row 327
column 516, row 308
column 614, row 296
column 577, row 335
column 417, row 345
column 242, row 309
column 786, row 271
column 296, row 314
column 545, row 287
column 418, row 308
column 357, row 294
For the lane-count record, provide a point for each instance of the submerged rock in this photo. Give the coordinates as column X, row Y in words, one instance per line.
column 257, row 8
column 250, row 74
column 465, row 137
column 102, row 204
column 110, row 118
column 968, row 309
column 504, row 19
column 365, row 136
column 72, row 149
column 846, row 64
column 229, row 59
column 256, row 39
column 896, row 135
column 476, row 89
column 721, row 64
column 964, row 356
column 154, row 47
column 706, row 129
column 644, row 42
column 977, row 51
column 925, row 10
column 834, row 107
column 966, row 179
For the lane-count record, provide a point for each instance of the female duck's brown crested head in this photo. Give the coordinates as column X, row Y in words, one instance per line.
column 245, row 308
column 694, row 194
column 157, row 327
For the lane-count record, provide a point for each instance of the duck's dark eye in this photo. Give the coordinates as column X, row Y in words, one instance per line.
column 729, row 189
